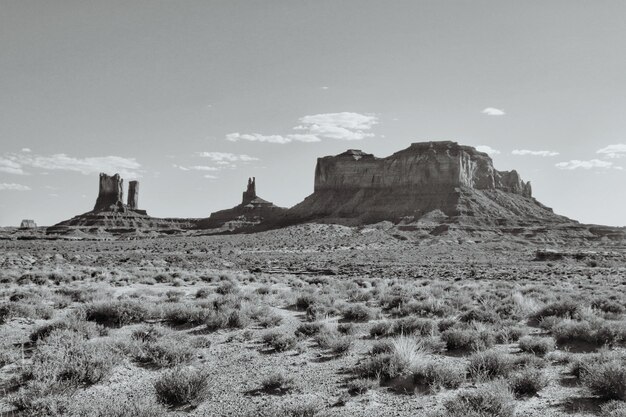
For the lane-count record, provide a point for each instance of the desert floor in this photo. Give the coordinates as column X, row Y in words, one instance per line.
column 312, row 320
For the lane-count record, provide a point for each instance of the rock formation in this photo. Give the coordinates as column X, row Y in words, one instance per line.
column 28, row 224
column 355, row 187
column 133, row 195
column 110, row 193
column 111, row 215
column 252, row 211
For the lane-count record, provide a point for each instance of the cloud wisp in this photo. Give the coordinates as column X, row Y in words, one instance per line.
column 587, row 165
column 18, row 163
column 613, row 151
column 220, row 161
column 318, row 127
column 13, row 187
column 487, row 149
column 492, row 111
column 524, row 152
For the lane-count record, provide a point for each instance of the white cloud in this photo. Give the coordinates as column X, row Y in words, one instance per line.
column 324, row 88
column 27, row 150
column 316, row 127
column 203, row 168
column 15, row 164
column 591, row 164
column 257, row 137
column 14, row 187
column 10, row 166
column 524, row 152
column 613, row 151
column 492, row 111
column 211, row 177
column 227, row 157
column 487, row 149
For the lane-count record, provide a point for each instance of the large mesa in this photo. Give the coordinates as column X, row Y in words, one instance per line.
column 459, row 181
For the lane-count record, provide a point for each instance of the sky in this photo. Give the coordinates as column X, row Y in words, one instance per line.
column 193, row 97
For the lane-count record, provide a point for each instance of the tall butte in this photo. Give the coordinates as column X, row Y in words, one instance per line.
column 440, row 179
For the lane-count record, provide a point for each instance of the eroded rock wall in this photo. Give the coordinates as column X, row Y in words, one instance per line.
column 110, row 193
column 423, row 167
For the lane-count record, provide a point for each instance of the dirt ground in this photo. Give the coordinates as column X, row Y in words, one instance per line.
column 495, row 287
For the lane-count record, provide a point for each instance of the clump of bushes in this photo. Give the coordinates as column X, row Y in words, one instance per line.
column 278, row 341
column 182, row 387
column 488, row 365
column 334, row 341
column 160, row 347
column 116, row 312
column 528, row 381
column 277, row 383
column 536, row 345
column 493, row 400
column 439, row 375
column 358, row 313
column 468, row 339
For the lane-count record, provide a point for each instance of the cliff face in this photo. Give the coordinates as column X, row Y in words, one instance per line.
column 423, row 167
column 426, row 176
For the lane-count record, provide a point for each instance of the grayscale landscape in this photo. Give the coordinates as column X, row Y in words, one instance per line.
column 156, row 261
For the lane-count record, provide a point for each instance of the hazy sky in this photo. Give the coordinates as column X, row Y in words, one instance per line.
column 192, row 97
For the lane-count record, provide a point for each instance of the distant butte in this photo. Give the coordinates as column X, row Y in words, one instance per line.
column 427, row 178
column 252, row 211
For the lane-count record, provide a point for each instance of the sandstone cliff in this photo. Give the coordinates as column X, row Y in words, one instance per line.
column 356, row 187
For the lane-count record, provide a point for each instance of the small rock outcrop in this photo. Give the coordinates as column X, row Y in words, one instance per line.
column 28, row 224
column 356, row 188
column 110, row 214
column 252, row 211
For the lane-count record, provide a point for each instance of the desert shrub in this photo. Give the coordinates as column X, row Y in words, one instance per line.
column 304, row 301
column 337, row 343
column 380, row 329
column 439, row 375
column 9, row 353
column 182, row 386
column 79, row 295
column 445, row 324
column 613, row 409
column 116, row 312
column 430, row 307
column 73, row 322
column 406, row 355
column 185, row 313
column 119, row 406
column 266, row 317
column 609, row 306
column 29, row 310
column 277, row 383
column 174, row 296
column 468, row 339
column 598, row 332
column 489, row 364
column 565, row 309
column 383, row 346
column 482, row 315
column 360, row 386
column 536, row 345
column 278, row 341
column 309, row 329
column 203, row 292
column 67, row 357
column 227, row 317
column 509, row 334
column 227, row 287
column 528, row 381
column 347, row 328
column 412, row 325
column 358, row 313
column 606, row 379
column 167, row 351
column 493, row 400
